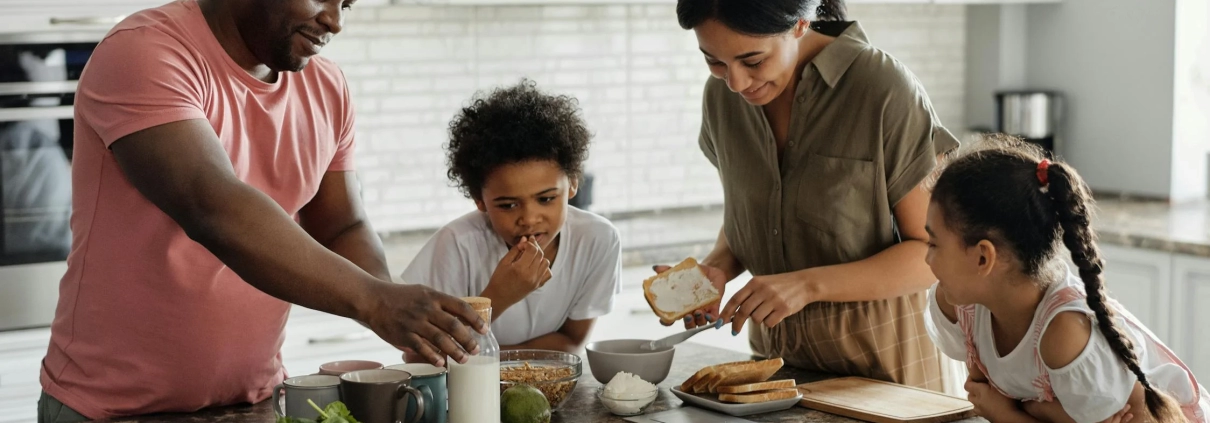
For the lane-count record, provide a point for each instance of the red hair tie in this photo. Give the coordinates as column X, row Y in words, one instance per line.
column 1043, row 176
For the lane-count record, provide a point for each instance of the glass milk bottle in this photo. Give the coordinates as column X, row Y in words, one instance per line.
column 474, row 387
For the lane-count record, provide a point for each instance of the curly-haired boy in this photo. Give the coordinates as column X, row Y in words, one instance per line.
column 550, row 269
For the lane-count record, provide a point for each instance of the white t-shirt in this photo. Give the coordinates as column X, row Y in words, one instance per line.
column 460, row 258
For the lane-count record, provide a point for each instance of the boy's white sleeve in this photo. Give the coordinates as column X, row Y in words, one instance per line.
column 595, row 298
column 947, row 335
column 441, row 264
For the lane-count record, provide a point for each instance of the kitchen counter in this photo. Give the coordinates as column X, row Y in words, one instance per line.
column 583, row 406
column 1182, row 228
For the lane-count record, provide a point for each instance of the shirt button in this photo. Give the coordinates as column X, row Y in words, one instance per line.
column 802, row 99
column 775, row 232
column 791, row 144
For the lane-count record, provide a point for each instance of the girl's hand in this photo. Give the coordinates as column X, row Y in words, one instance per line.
column 1053, row 412
column 1122, row 416
column 990, row 403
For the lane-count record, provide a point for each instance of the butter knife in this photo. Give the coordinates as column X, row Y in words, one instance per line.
column 669, row 341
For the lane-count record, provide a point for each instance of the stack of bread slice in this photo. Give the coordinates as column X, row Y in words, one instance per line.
column 744, row 382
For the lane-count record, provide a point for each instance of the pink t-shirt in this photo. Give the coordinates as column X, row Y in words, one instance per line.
column 149, row 320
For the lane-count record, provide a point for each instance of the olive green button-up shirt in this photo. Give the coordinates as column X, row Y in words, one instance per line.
column 862, row 135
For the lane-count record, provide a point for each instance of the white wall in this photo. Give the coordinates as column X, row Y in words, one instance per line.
column 636, row 73
column 1191, row 108
column 995, row 58
column 1113, row 59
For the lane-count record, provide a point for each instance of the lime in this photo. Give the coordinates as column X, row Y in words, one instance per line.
column 524, row 404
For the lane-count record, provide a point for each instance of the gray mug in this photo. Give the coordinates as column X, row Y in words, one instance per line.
column 380, row 395
column 430, row 380
column 321, row 389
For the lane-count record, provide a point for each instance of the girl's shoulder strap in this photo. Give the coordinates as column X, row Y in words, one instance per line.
column 1053, row 304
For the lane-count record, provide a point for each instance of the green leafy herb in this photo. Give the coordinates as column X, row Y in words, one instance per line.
column 336, row 412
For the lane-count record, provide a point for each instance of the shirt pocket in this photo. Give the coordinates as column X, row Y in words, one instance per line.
column 836, row 196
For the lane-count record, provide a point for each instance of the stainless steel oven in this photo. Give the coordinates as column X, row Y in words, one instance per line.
column 38, row 77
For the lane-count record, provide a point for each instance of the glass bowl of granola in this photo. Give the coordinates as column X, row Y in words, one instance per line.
column 555, row 373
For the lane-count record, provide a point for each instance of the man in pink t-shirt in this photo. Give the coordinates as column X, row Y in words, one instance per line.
column 213, row 186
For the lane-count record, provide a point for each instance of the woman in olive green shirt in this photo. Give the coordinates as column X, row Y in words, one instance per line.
column 822, row 143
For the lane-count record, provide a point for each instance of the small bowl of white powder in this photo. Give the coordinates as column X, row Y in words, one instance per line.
column 627, row 394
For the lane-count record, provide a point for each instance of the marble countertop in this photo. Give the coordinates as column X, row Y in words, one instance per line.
column 583, row 406
column 1182, row 228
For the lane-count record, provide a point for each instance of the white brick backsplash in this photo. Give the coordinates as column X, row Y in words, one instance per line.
column 638, row 78
column 582, row 45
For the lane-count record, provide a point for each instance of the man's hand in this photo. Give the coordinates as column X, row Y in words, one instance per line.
column 424, row 322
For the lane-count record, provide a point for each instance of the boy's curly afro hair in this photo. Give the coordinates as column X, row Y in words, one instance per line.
column 513, row 125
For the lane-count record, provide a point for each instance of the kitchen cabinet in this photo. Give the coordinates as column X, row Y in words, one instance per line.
column 1168, row 293
column 673, row 2
column 993, row 1
column 1190, row 315
column 1142, row 281
column 88, row 20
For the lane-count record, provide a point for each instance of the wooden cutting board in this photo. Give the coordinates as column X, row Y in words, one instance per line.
column 882, row 402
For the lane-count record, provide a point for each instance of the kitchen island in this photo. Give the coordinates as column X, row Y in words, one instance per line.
column 583, row 406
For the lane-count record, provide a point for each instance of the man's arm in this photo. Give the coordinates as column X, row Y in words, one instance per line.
column 335, row 218
column 181, row 168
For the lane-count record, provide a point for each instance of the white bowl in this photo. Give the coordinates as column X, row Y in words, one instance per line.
column 607, row 358
column 633, row 405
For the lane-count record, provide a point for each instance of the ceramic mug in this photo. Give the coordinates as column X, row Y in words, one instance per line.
column 321, row 389
column 380, row 395
column 337, row 368
column 430, row 380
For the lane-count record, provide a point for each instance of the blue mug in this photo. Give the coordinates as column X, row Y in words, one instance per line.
column 430, row 381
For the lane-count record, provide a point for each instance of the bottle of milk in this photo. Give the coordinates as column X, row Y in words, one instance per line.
column 474, row 387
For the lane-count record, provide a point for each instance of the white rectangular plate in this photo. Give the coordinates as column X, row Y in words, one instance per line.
column 711, row 402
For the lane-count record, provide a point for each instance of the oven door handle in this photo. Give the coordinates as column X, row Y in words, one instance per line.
column 34, row 88
column 33, row 113
column 89, row 20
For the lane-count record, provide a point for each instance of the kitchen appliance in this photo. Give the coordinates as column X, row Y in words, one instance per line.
column 39, row 73
column 1030, row 114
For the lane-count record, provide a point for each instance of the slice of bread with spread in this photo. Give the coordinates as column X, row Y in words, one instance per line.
column 679, row 291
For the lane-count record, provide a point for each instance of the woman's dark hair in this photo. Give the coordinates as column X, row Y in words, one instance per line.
column 996, row 193
column 761, row 17
column 514, row 125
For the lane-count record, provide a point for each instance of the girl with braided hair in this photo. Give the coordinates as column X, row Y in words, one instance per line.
column 1042, row 343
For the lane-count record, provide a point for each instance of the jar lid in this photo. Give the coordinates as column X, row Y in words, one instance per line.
column 482, row 305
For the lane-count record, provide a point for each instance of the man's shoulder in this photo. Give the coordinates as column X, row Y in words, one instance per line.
column 171, row 19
